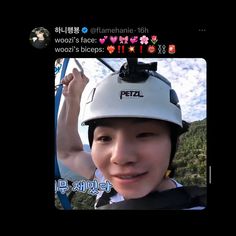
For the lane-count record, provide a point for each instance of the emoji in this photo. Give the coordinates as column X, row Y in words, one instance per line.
column 171, row 49
column 111, row 49
column 102, row 41
column 113, row 39
column 123, row 40
column 151, row 49
column 154, row 39
column 134, row 39
column 144, row 39
column 141, row 49
column 131, row 48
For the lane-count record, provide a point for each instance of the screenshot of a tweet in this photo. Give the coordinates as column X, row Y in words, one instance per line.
column 130, row 117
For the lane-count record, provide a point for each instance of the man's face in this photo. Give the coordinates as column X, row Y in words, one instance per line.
column 133, row 154
column 39, row 34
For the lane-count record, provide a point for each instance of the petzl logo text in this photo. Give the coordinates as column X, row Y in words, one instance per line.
column 130, row 94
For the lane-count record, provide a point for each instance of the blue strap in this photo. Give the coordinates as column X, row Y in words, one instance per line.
column 62, row 197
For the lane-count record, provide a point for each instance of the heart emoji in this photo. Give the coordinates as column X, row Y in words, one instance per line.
column 134, row 39
column 113, row 39
column 111, row 49
column 102, row 41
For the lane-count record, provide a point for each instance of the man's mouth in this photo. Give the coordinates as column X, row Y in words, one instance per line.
column 129, row 176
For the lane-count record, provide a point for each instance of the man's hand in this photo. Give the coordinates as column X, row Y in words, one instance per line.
column 75, row 83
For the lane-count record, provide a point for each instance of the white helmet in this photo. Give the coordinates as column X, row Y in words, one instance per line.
column 133, row 92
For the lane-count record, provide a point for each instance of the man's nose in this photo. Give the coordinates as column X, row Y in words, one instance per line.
column 123, row 152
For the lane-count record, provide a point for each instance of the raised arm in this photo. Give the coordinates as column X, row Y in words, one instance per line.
column 69, row 145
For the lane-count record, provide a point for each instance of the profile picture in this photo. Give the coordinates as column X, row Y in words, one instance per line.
column 39, row 37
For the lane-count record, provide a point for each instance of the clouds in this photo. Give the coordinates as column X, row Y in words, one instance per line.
column 187, row 77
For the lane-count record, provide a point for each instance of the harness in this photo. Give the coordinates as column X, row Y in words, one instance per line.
column 173, row 199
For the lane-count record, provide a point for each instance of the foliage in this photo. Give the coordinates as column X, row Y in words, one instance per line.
column 191, row 156
column 79, row 201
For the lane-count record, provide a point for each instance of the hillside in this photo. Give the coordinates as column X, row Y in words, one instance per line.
column 191, row 157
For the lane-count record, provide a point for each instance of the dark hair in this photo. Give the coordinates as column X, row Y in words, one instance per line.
column 41, row 30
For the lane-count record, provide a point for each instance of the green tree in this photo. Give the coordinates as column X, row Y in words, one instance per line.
column 191, row 156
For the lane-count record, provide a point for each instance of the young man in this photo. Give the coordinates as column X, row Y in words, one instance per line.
column 134, row 123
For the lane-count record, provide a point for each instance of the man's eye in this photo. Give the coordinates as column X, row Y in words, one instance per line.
column 104, row 139
column 144, row 135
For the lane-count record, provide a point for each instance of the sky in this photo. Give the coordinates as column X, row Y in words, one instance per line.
column 187, row 77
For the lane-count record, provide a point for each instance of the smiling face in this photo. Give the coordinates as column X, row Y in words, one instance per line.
column 133, row 154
